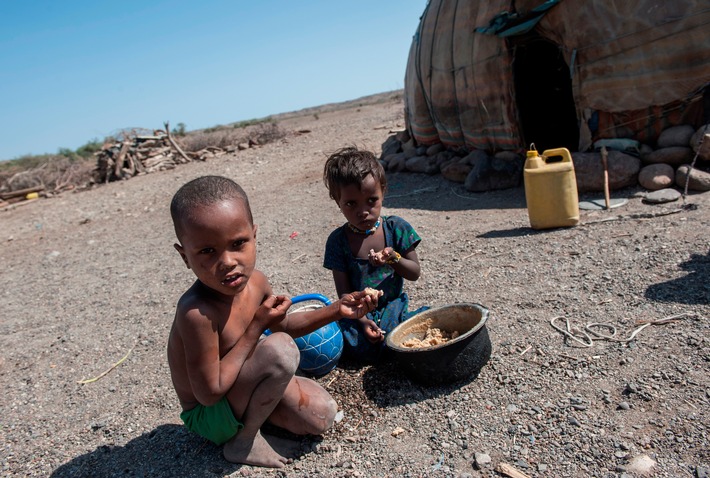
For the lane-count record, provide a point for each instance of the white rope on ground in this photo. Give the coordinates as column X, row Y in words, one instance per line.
column 587, row 336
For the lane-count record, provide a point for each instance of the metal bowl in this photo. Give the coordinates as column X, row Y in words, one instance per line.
column 451, row 361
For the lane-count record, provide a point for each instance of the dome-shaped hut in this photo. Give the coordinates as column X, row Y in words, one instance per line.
column 497, row 75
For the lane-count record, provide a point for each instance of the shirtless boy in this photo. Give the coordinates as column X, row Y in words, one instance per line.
column 229, row 378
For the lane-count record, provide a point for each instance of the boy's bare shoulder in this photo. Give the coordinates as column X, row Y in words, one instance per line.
column 193, row 305
column 260, row 280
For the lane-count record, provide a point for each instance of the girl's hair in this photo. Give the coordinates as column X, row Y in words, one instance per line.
column 351, row 166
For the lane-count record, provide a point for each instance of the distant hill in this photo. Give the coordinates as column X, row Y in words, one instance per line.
column 364, row 100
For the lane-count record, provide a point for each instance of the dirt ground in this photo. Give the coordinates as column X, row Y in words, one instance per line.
column 92, row 278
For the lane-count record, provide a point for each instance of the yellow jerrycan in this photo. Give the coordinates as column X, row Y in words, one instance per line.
column 551, row 188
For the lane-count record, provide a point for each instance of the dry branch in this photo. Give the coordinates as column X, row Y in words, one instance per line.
column 508, row 470
column 174, row 144
column 105, row 372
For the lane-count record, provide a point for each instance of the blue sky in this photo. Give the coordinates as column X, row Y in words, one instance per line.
column 75, row 71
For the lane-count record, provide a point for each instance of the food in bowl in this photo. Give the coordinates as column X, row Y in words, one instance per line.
column 432, row 336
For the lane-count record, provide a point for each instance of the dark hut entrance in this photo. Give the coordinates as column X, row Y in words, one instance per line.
column 543, row 93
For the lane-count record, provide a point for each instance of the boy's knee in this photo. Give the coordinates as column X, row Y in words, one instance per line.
column 280, row 351
column 326, row 413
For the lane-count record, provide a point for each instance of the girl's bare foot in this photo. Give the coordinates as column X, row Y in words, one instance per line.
column 255, row 452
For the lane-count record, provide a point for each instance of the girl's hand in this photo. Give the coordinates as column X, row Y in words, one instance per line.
column 381, row 258
column 272, row 311
column 373, row 333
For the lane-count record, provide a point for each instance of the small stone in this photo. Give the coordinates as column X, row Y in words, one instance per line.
column 641, row 464
column 482, row 460
column 624, row 406
column 662, row 196
column 631, row 388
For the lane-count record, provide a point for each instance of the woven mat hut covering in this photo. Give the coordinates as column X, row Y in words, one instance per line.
column 496, row 75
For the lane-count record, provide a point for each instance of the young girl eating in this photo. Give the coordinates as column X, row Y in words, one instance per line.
column 369, row 252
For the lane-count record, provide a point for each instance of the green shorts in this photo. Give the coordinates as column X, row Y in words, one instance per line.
column 216, row 422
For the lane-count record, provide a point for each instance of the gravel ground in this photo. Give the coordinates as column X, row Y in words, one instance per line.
column 92, row 276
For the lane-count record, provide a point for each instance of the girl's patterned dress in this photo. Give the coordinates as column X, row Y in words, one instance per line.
column 392, row 307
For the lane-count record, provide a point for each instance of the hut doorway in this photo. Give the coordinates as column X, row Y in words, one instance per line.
column 543, row 93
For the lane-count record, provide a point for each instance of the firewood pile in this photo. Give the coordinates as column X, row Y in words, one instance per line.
column 10, row 199
column 145, row 154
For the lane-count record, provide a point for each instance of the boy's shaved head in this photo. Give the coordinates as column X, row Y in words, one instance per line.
column 204, row 191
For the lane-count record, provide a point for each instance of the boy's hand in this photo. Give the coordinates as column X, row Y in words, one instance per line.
column 272, row 310
column 358, row 304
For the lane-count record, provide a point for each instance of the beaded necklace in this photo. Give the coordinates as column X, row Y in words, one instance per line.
column 366, row 232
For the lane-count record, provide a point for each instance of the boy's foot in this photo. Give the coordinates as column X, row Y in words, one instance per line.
column 256, row 452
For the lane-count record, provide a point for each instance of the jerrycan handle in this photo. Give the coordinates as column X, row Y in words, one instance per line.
column 552, row 153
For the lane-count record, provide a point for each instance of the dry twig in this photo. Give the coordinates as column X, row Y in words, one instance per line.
column 508, row 470
column 103, row 374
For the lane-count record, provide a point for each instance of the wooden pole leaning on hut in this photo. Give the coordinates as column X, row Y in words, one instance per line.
column 605, row 165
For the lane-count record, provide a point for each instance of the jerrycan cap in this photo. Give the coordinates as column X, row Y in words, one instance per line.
column 532, row 152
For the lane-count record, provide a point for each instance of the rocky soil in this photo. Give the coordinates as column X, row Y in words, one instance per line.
column 90, row 278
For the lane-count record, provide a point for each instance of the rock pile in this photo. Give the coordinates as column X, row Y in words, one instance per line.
column 629, row 162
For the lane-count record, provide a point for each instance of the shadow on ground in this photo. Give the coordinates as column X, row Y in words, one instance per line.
column 514, row 232
column 387, row 386
column 434, row 193
column 169, row 451
column 691, row 289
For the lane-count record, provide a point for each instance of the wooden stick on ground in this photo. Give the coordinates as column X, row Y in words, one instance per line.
column 18, row 204
column 508, row 470
column 648, row 215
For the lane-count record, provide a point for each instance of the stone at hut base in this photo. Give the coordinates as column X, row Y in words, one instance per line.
column 656, row 176
column 662, row 196
column 699, row 180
